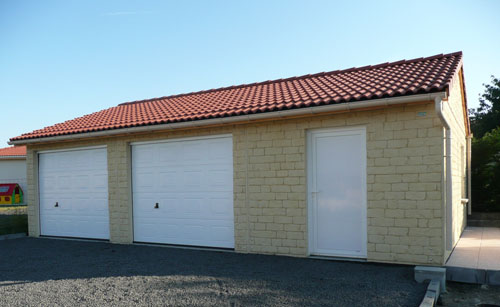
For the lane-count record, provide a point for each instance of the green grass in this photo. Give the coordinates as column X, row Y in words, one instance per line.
column 13, row 219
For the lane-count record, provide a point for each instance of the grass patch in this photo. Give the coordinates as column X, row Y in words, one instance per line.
column 13, row 219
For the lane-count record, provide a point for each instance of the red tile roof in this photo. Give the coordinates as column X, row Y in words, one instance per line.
column 12, row 151
column 406, row 77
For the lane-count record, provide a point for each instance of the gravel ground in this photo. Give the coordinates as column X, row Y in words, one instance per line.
column 460, row 294
column 50, row 272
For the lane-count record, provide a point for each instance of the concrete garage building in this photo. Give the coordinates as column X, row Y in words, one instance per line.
column 366, row 163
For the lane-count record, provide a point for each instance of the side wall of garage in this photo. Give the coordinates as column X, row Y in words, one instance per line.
column 454, row 112
column 404, row 182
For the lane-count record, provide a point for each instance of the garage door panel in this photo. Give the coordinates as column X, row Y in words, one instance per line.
column 217, row 149
column 168, row 181
column 81, row 182
column 48, row 184
column 193, row 151
column 169, row 153
column 145, row 180
column 100, row 158
column 221, row 180
column 99, row 182
column 220, row 207
column 194, row 192
column 190, row 232
column 64, row 182
column 220, row 233
column 77, row 182
column 192, row 180
column 143, row 156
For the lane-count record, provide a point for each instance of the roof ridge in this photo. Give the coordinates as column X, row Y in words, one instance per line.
column 339, row 71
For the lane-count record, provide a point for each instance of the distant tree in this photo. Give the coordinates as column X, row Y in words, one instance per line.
column 485, row 168
column 485, row 171
column 487, row 116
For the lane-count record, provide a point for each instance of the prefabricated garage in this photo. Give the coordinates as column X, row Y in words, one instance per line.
column 368, row 163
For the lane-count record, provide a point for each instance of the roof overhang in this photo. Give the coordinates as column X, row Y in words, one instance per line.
column 12, row 158
column 331, row 108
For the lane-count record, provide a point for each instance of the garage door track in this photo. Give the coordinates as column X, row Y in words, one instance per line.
column 51, row 272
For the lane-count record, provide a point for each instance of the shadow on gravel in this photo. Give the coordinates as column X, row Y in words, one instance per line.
column 240, row 278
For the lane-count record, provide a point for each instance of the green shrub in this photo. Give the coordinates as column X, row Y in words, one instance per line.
column 485, row 170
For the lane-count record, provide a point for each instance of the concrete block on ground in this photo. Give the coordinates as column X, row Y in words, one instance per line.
column 466, row 275
column 432, row 294
column 424, row 273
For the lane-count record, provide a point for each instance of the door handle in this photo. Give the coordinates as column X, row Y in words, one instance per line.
column 156, row 206
column 57, row 204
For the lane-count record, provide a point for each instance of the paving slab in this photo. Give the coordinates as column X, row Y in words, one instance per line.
column 476, row 257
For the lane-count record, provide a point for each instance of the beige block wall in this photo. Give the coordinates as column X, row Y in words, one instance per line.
column 404, row 182
column 453, row 111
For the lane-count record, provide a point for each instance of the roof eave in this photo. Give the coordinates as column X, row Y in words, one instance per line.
column 341, row 107
column 22, row 157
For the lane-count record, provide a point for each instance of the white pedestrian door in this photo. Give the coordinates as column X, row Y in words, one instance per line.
column 183, row 192
column 337, row 192
column 73, row 189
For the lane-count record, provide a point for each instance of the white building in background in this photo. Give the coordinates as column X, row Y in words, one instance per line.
column 13, row 166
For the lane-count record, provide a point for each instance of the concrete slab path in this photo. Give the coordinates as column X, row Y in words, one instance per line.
column 476, row 257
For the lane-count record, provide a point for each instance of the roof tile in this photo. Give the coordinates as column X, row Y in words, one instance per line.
column 13, row 151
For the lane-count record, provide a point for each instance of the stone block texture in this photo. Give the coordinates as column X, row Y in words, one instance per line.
column 404, row 182
column 454, row 112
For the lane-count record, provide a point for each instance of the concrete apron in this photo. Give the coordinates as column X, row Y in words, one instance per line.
column 476, row 257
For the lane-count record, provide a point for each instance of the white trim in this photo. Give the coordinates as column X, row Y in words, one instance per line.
column 339, row 130
column 335, row 258
column 182, row 139
column 347, row 107
column 72, row 149
column 311, row 167
column 469, row 174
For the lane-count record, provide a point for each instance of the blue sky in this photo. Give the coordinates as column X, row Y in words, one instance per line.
column 63, row 59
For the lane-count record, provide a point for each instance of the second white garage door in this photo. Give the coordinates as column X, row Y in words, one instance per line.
column 183, row 192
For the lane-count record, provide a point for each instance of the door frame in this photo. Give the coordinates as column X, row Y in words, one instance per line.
column 37, row 184
column 311, row 182
column 182, row 139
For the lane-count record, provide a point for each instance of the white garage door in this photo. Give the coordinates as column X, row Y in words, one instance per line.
column 183, row 192
column 337, row 192
column 73, row 189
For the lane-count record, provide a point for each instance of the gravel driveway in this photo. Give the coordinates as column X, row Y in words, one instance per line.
column 50, row 272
